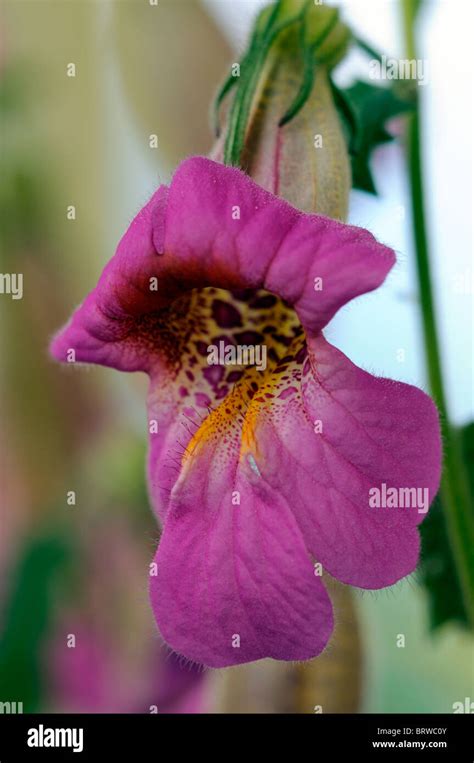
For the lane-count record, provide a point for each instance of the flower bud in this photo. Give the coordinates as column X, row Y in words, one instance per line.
column 291, row 138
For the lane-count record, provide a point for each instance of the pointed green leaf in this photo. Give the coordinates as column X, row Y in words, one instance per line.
column 364, row 110
column 26, row 619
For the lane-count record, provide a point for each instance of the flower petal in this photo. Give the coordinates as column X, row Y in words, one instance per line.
column 340, row 435
column 109, row 327
column 216, row 227
column 156, row 307
column 234, row 581
column 229, row 232
column 244, row 570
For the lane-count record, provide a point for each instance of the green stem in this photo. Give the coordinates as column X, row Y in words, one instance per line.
column 454, row 485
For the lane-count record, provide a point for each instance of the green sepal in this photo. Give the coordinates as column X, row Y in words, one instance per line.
column 305, row 89
column 225, row 88
column 322, row 38
column 270, row 23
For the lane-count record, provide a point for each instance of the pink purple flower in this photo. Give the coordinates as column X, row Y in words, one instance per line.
column 256, row 475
